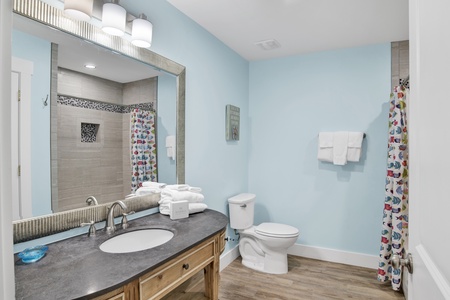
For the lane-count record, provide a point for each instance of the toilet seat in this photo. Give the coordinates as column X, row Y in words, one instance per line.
column 276, row 230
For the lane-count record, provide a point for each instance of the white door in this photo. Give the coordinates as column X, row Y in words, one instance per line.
column 21, row 73
column 429, row 124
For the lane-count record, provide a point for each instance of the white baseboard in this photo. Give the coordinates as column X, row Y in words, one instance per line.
column 227, row 257
column 337, row 256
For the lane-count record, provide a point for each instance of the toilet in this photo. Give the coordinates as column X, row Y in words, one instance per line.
column 263, row 247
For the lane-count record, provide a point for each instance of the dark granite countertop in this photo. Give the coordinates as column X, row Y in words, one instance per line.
column 76, row 268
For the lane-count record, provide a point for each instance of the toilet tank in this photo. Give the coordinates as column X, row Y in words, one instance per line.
column 242, row 208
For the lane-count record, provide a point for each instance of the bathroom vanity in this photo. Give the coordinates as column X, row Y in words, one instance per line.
column 76, row 268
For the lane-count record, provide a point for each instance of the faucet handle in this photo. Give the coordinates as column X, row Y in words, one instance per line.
column 125, row 220
column 92, row 230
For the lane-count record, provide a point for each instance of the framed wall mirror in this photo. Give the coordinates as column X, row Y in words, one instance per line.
column 79, row 139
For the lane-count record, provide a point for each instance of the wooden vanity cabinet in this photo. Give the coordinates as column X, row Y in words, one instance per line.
column 162, row 280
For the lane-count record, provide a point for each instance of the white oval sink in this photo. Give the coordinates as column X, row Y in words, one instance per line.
column 136, row 240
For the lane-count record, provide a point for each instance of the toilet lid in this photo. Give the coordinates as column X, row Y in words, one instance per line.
column 276, row 230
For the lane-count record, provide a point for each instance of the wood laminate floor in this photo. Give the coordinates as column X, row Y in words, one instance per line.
column 307, row 279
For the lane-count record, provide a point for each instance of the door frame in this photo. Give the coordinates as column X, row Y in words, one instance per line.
column 24, row 69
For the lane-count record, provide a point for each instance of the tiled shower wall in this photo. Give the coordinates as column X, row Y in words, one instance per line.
column 399, row 61
column 97, row 168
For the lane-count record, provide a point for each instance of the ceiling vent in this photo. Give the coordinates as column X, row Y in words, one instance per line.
column 268, row 44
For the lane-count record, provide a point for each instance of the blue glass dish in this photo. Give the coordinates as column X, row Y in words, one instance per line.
column 33, row 254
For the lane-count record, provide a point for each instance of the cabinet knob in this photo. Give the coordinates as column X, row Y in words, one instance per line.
column 186, row 266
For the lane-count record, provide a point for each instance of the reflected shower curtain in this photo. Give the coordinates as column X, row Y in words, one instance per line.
column 395, row 214
column 143, row 147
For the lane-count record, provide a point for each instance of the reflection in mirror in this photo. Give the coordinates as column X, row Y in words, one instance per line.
column 81, row 121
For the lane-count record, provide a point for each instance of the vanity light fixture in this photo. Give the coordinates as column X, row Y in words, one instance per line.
column 141, row 32
column 79, row 9
column 114, row 18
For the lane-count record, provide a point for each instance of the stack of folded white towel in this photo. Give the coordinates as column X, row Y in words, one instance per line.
column 340, row 147
column 149, row 187
column 173, row 193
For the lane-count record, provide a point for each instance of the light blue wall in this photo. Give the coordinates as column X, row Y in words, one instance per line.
column 38, row 51
column 291, row 100
column 167, row 119
column 284, row 104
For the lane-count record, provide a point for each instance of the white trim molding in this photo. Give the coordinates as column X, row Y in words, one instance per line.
column 21, row 112
column 433, row 270
column 337, row 256
column 7, row 282
column 228, row 257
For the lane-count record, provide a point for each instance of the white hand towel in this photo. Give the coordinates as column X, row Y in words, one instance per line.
column 171, row 146
column 325, row 152
column 168, row 194
column 146, row 191
column 355, row 140
column 178, row 187
column 152, row 184
column 340, row 147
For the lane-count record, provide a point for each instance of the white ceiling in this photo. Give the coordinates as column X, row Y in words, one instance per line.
column 299, row 26
column 74, row 54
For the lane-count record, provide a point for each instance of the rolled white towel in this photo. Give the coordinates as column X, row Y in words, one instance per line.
column 178, row 187
column 164, row 209
column 146, row 191
column 197, row 207
column 168, row 194
column 193, row 208
column 152, row 184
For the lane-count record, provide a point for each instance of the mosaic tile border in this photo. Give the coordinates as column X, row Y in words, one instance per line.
column 103, row 106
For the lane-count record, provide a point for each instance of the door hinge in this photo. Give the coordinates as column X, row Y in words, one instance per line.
column 18, row 170
column 18, row 95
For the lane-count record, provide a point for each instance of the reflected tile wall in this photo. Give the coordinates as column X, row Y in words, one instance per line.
column 102, row 167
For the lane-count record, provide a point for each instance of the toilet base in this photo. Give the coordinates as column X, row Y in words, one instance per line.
column 272, row 261
column 269, row 266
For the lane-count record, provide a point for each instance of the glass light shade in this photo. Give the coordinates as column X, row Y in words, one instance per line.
column 114, row 19
column 141, row 33
column 79, row 9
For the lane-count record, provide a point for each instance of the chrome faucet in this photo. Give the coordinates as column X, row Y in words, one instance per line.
column 110, row 227
column 91, row 200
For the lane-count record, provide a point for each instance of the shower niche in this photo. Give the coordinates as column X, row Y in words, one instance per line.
column 89, row 132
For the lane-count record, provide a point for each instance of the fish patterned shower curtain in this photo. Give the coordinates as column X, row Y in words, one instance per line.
column 395, row 215
column 143, row 147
